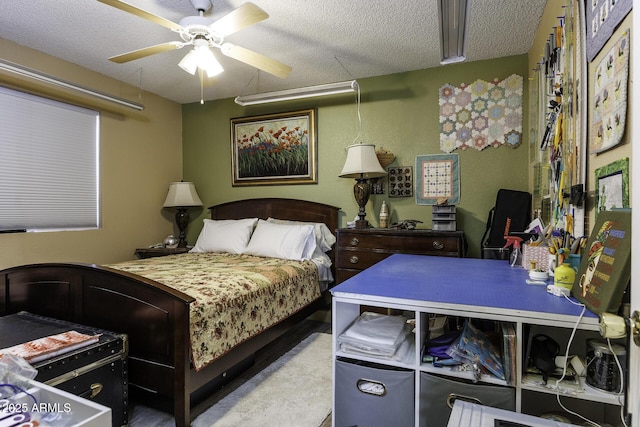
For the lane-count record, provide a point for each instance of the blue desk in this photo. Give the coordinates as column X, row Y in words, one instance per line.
column 422, row 286
column 460, row 283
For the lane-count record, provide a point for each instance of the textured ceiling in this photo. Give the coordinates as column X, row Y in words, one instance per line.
column 322, row 40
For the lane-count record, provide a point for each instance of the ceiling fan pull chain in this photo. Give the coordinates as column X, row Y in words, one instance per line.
column 200, row 72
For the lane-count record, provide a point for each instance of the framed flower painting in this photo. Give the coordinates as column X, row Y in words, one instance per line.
column 274, row 149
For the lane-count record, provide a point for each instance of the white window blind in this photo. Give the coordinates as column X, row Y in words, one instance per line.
column 49, row 177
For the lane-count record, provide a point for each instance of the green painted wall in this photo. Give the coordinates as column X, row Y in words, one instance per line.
column 399, row 112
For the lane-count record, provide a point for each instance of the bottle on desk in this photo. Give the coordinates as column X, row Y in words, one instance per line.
column 384, row 216
column 564, row 275
column 515, row 259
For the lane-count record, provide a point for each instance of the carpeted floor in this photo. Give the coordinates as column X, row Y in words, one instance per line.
column 140, row 416
column 293, row 391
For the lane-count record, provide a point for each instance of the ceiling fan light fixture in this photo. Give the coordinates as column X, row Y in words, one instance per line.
column 203, row 31
column 453, row 16
column 190, row 62
column 201, row 57
column 207, row 61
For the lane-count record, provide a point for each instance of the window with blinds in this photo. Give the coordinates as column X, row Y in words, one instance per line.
column 49, row 164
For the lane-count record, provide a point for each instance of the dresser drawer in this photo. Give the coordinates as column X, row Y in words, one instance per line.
column 419, row 243
column 359, row 249
column 359, row 260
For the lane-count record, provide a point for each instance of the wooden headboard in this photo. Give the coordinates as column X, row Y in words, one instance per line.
column 280, row 208
column 291, row 209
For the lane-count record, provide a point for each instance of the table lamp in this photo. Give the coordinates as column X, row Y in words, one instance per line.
column 182, row 195
column 362, row 164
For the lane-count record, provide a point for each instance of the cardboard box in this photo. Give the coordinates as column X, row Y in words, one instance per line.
column 539, row 254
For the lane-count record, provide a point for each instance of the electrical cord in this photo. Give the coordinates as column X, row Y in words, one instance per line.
column 359, row 134
column 564, row 371
column 621, row 391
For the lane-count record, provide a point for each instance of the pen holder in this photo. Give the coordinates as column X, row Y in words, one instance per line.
column 574, row 261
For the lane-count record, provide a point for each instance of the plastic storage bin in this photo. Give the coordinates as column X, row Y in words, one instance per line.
column 438, row 395
column 443, row 218
column 372, row 395
column 71, row 410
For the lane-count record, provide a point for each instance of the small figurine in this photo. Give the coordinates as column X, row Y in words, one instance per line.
column 407, row 224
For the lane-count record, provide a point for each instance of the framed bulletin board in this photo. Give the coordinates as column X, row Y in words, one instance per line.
column 612, row 186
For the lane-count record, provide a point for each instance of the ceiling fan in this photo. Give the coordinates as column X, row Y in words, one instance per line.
column 203, row 33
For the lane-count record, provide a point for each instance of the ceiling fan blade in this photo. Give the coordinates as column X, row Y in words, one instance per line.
column 257, row 60
column 242, row 17
column 142, row 14
column 147, row 51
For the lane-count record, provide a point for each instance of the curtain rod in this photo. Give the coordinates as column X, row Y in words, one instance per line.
column 37, row 75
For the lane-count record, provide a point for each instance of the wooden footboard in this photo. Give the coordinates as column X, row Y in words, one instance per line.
column 154, row 316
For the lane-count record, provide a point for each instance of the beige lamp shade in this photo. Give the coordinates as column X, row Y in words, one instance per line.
column 182, row 194
column 362, row 162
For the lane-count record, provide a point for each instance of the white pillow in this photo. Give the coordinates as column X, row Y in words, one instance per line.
column 286, row 241
column 324, row 238
column 227, row 235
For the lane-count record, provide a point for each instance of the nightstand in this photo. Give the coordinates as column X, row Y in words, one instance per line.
column 154, row 252
column 358, row 249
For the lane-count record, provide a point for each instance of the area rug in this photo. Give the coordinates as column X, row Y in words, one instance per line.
column 295, row 390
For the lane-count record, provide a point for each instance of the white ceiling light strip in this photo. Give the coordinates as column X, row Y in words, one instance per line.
column 300, row 93
column 453, row 30
column 36, row 75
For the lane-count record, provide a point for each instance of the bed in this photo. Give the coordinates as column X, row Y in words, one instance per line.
column 155, row 316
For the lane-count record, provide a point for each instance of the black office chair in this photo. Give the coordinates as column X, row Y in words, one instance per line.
column 510, row 215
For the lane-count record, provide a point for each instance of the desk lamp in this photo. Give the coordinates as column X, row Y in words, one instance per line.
column 362, row 164
column 182, row 195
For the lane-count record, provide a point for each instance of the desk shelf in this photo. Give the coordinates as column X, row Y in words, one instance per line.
column 463, row 375
column 582, row 391
column 423, row 286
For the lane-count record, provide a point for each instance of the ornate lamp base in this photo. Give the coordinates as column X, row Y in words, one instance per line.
column 362, row 191
column 182, row 220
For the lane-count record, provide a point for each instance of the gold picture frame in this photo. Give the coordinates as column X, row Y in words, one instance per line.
column 274, row 149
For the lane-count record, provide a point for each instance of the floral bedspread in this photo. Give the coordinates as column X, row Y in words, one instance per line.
column 236, row 296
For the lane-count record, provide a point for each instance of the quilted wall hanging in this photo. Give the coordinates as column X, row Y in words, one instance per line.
column 437, row 179
column 610, row 97
column 603, row 17
column 481, row 114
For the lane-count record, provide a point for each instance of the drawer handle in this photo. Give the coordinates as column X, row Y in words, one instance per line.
column 353, row 260
column 375, row 388
column 354, row 241
column 94, row 390
column 451, row 399
column 437, row 244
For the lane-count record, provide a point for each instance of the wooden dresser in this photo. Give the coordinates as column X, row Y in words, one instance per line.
column 143, row 253
column 358, row 249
